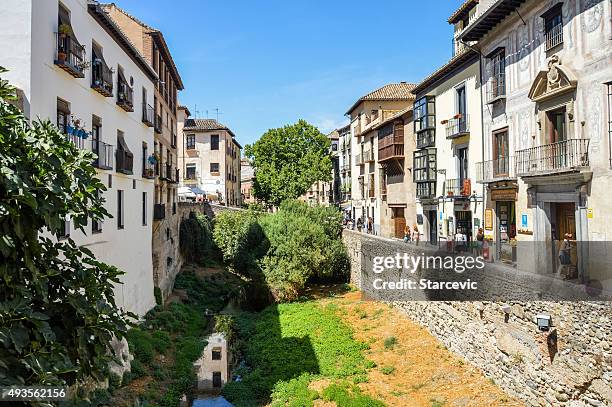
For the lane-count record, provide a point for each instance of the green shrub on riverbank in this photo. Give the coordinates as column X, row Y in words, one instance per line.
column 285, row 249
column 195, row 238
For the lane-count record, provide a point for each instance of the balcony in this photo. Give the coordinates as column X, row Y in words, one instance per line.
column 75, row 138
column 425, row 190
column 125, row 162
column 125, row 97
column 102, row 78
column 360, row 159
column 554, row 37
column 158, row 123
column 426, row 138
column 458, row 126
column 496, row 88
column 148, row 170
column 70, row 55
column 159, row 211
column 457, row 187
column 357, row 130
column 104, row 155
column 148, row 114
column 369, row 156
column 503, row 168
column 191, row 178
column 390, row 147
column 563, row 156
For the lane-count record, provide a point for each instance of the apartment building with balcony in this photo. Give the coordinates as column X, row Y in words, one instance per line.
column 547, row 70
column 159, row 111
column 210, row 159
column 76, row 67
column 448, row 131
column 365, row 115
column 345, row 160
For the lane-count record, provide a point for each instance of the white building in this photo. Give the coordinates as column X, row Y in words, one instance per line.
column 76, row 68
column 344, row 163
column 209, row 158
column 213, row 367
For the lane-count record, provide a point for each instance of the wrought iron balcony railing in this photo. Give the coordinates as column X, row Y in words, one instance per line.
column 457, row 187
column 104, row 155
column 148, row 170
column 158, row 123
column 125, row 97
column 458, row 126
column 102, row 78
column 553, row 158
column 69, row 55
column 495, row 170
column 554, row 37
column 148, row 114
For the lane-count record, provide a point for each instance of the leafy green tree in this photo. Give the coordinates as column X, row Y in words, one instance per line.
column 288, row 160
column 58, row 315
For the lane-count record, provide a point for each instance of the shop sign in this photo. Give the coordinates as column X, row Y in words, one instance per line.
column 504, row 195
column 489, row 219
column 590, row 213
column 524, row 220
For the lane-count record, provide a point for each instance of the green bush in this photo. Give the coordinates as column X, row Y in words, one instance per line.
column 195, row 236
column 345, row 395
column 141, row 345
column 241, row 240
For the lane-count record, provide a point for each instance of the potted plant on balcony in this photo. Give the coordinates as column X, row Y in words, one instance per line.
column 444, row 122
column 458, row 116
column 450, row 193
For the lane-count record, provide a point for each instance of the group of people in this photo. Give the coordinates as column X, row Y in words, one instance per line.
column 361, row 225
column 412, row 235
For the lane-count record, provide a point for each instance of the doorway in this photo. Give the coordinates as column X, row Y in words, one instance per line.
column 506, row 232
column 563, row 221
column 399, row 222
column 216, row 379
column 433, row 227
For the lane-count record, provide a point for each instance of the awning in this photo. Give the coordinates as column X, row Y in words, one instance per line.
column 197, row 191
column 123, row 145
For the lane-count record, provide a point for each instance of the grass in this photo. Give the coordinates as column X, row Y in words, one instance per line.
column 346, row 395
column 390, row 342
column 287, row 347
column 387, row 370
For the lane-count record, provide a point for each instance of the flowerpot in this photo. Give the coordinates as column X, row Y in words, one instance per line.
column 61, row 56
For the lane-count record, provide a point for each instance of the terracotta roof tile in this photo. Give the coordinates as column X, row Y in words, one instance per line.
column 392, row 91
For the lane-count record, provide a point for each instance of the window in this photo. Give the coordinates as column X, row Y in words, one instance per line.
column 214, row 142
column 190, row 141
column 63, row 115
column 125, row 158
column 144, row 209
column 216, row 379
column 214, row 168
column 120, row 204
column 64, row 231
column 96, row 225
column 553, row 26
column 424, row 114
column 462, row 162
column 497, row 82
column 501, row 153
column 190, row 171
column 424, row 165
column 216, row 354
column 556, row 125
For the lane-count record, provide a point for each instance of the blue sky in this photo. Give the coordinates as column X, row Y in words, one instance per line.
column 267, row 63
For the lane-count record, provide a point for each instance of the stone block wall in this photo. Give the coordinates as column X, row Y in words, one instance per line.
column 569, row 365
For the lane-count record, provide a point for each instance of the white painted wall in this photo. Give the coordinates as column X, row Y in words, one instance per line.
column 27, row 48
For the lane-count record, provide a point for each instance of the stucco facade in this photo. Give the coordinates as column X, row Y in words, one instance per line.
column 546, row 91
column 210, row 159
column 453, row 207
column 162, row 164
column 367, row 116
column 62, row 81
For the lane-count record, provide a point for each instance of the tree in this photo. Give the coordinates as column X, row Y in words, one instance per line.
column 58, row 315
column 288, row 160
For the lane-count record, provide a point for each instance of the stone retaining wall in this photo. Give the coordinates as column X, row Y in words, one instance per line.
column 570, row 365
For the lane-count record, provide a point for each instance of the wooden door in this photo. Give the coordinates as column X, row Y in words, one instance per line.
column 400, row 224
column 566, row 220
